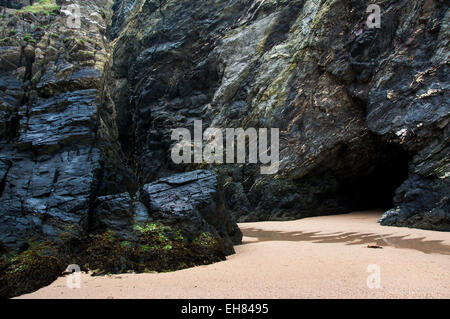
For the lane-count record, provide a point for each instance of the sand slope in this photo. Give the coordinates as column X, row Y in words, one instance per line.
column 319, row 257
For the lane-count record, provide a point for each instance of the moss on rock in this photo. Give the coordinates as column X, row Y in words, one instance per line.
column 157, row 248
column 29, row 270
column 43, row 6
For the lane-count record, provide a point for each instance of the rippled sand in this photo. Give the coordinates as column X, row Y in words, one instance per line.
column 319, row 257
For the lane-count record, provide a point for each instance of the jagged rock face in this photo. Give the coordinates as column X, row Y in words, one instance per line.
column 86, row 116
column 191, row 201
column 63, row 173
column 363, row 113
column 15, row 4
column 119, row 213
column 194, row 201
column 122, row 10
column 58, row 136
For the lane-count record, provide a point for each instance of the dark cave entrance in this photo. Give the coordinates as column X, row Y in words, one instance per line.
column 374, row 186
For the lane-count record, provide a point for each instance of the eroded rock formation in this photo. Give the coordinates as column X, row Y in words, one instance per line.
column 363, row 112
column 86, row 116
column 68, row 191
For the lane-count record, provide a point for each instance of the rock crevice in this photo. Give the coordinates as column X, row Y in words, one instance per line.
column 86, row 116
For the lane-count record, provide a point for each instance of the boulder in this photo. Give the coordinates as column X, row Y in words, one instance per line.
column 194, row 201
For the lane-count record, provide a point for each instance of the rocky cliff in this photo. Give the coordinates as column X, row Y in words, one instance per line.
column 363, row 112
column 87, row 112
column 68, row 191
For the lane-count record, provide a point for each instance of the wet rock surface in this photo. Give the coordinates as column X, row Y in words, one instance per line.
column 86, row 116
column 190, row 201
column 363, row 113
column 50, row 109
column 194, row 201
column 15, row 4
column 64, row 178
column 62, row 166
column 116, row 213
column 56, row 139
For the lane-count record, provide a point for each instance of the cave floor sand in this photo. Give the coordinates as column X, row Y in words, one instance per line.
column 318, row 257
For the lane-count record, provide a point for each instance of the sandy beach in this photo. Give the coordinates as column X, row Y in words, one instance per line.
column 319, row 257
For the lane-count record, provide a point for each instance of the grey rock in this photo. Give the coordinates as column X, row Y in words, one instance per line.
column 361, row 110
column 116, row 213
column 194, row 201
column 15, row 4
column 57, row 151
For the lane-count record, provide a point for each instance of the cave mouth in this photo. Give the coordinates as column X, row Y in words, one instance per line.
column 375, row 186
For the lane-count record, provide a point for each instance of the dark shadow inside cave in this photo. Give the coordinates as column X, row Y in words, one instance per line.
column 375, row 186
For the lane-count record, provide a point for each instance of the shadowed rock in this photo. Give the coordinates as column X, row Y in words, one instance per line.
column 363, row 113
column 195, row 201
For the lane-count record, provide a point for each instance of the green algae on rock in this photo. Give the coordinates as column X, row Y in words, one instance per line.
column 86, row 117
column 42, row 6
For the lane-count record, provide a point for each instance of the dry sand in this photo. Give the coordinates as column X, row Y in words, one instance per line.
column 319, row 257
